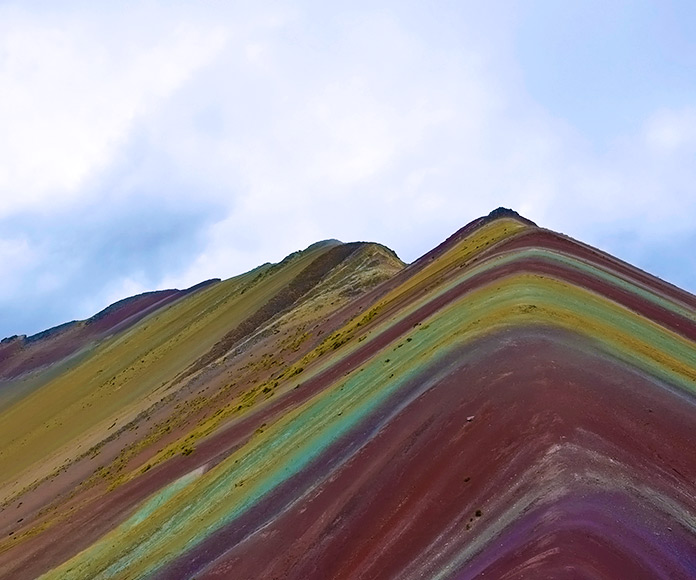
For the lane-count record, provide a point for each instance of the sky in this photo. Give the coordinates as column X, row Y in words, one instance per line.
column 151, row 144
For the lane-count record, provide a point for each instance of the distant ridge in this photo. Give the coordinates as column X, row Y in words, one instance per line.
column 22, row 354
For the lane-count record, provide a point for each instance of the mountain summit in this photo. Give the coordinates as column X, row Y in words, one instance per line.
column 514, row 404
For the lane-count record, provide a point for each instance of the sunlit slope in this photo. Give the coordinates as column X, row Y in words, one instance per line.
column 514, row 404
column 123, row 375
column 127, row 395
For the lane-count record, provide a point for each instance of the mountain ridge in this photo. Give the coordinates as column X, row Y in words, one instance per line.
column 512, row 403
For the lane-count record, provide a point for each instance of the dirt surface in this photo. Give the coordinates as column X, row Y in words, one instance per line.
column 514, row 404
column 555, row 425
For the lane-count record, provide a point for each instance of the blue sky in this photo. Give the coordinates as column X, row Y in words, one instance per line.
column 155, row 144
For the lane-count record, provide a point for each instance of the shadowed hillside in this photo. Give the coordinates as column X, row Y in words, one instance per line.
column 514, row 404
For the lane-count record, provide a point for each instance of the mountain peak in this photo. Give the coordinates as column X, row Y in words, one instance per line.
column 504, row 212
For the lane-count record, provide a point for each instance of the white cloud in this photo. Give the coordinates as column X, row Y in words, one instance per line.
column 669, row 131
column 291, row 123
column 71, row 87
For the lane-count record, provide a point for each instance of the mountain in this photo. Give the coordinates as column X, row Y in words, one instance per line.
column 514, row 404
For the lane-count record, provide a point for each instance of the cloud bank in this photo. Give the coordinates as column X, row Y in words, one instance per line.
column 153, row 145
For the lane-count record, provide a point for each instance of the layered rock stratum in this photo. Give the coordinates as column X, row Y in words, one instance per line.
column 514, row 404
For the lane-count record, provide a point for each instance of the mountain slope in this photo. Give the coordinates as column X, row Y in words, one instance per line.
column 513, row 404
